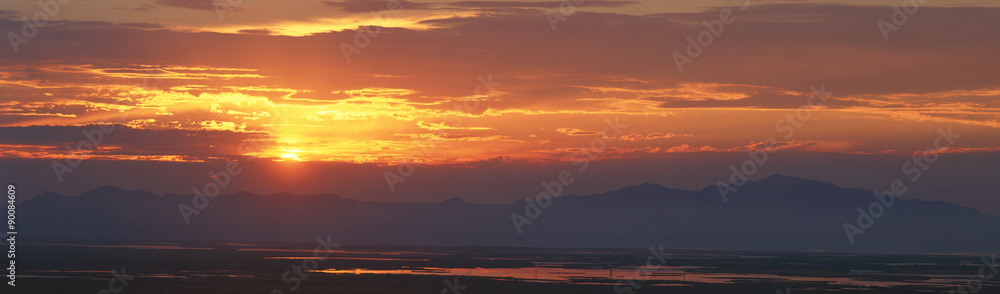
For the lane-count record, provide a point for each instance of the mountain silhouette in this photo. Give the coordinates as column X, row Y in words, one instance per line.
column 779, row 213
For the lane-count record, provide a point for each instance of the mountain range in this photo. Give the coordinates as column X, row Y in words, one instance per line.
column 777, row 213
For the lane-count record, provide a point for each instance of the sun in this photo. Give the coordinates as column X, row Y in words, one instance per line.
column 291, row 156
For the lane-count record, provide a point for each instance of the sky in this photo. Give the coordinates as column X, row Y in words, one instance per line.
column 488, row 98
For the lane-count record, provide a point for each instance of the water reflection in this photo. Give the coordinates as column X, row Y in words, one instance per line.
column 665, row 274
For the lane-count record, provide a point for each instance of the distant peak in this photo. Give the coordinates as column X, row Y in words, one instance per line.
column 112, row 191
column 244, row 194
column 103, row 191
column 330, row 195
column 644, row 187
column 780, row 178
column 48, row 193
column 109, row 189
column 283, row 194
column 778, row 183
column 648, row 186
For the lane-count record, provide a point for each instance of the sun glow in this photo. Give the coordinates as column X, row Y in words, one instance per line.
column 290, row 156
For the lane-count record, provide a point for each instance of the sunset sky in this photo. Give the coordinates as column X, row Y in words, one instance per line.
column 500, row 98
